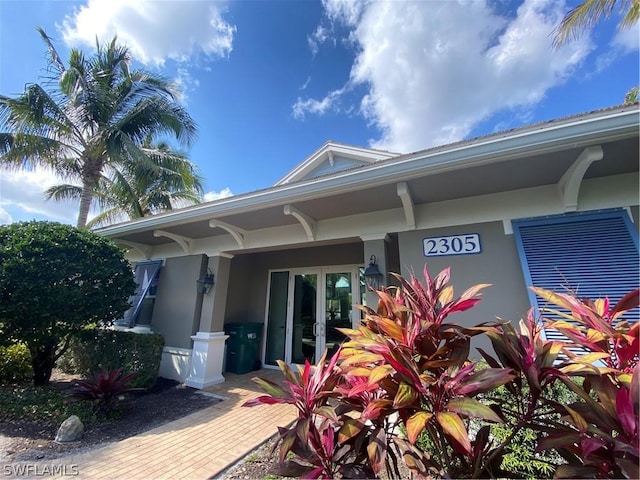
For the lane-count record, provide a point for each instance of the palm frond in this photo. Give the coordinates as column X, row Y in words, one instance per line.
column 54, row 59
column 590, row 12
column 63, row 192
column 632, row 16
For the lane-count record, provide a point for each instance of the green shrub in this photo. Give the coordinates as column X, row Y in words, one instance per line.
column 55, row 281
column 96, row 350
column 15, row 364
column 46, row 404
column 521, row 457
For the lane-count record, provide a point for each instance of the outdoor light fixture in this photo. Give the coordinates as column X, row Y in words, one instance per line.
column 205, row 282
column 372, row 274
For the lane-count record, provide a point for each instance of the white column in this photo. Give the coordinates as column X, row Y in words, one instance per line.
column 208, row 343
column 206, row 359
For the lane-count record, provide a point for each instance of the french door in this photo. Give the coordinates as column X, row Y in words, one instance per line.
column 305, row 308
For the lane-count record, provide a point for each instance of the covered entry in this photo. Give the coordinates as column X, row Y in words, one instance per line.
column 304, row 309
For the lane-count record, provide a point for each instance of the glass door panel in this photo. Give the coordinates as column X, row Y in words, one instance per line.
column 304, row 318
column 277, row 318
column 338, row 308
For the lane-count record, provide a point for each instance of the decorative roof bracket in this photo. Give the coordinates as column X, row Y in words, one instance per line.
column 407, row 204
column 308, row 223
column 235, row 232
column 143, row 249
column 185, row 242
column 569, row 184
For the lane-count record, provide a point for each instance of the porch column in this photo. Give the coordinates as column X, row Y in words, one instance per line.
column 376, row 245
column 208, row 342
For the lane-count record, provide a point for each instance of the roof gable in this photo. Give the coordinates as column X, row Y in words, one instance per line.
column 333, row 158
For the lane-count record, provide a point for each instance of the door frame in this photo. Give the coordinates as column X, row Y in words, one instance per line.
column 321, row 272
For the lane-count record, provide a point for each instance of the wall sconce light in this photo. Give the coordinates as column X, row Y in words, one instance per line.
column 205, row 282
column 372, row 274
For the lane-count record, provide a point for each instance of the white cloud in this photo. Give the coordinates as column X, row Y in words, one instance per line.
column 434, row 70
column 319, row 107
column 5, row 217
column 625, row 41
column 628, row 38
column 22, row 198
column 319, row 36
column 213, row 195
column 186, row 83
column 154, row 30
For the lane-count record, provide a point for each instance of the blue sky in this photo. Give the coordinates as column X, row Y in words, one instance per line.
column 269, row 81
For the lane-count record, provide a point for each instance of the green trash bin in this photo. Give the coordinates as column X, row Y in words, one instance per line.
column 243, row 346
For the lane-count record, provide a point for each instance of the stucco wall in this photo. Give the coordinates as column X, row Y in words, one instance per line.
column 247, row 294
column 497, row 264
column 176, row 314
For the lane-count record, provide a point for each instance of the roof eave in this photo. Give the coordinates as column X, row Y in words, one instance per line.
column 584, row 130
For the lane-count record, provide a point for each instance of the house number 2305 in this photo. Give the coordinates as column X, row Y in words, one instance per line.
column 452, row 245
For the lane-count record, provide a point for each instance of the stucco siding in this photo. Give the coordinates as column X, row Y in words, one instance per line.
column 176, row 313
column 497, row 264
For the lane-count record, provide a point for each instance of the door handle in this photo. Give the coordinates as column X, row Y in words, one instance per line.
column 315, row 329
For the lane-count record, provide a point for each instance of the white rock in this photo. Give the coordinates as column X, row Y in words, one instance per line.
column 71, row 430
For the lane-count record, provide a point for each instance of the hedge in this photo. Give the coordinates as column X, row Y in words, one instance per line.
column 99, row 349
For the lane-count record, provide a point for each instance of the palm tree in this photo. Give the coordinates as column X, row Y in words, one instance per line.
column 137, row 190
column 589, row 12
column 632, row 96
column 92, row 116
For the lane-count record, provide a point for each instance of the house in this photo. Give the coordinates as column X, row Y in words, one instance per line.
column 553, row 204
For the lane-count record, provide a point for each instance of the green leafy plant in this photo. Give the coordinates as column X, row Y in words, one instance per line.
column 55, row 280
column 43, row 404
column 15, row 364
column 97, row 349
column 520, row 457
column 402, row 388
column 103, row 389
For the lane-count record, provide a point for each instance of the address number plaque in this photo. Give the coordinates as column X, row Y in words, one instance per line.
column 452, row 245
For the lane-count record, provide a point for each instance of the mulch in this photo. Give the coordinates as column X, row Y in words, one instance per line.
column 24, row 440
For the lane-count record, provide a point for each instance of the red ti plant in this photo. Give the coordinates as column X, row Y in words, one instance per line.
column 599, row 436
column 405, row 373
column 314, row 438
column 104, row 388
column 404, row 365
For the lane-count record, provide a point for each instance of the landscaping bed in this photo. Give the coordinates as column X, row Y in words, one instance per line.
column 24, row 438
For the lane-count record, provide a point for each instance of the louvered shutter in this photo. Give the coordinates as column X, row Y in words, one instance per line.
column 594, row 255
column 145, row 274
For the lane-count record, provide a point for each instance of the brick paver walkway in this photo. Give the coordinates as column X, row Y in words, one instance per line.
column 198, row 446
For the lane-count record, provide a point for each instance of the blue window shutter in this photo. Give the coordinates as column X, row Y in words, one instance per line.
column 145, row 274
column 592, row 254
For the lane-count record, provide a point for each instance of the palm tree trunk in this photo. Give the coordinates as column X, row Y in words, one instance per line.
column 90, row 175
column 85, row 204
